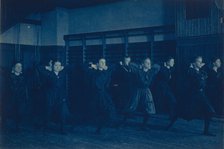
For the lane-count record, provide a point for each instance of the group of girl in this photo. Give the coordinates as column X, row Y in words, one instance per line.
column 119, row 90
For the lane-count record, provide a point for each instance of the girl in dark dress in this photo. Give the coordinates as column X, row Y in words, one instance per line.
column 142, row 98
column 42, row 75
column 197, row 105
column 122, row 84
column 105, row 110
column 56, row 95
column 18, row 99
column 164, row 90
column 214, row 86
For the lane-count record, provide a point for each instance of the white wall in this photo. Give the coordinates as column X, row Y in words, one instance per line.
column 20, row 34
column 54, row 25
column 10, row 36
column 121, row 15
column 48, row 28
column 111, row 16
column 62, row 25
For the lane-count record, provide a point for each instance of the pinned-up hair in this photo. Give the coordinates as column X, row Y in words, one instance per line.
column 16, row 62
column 145, row 58
column 169, row 58
column 126, row 56
column 215, row 58
column 57, row 60
column 195, row 58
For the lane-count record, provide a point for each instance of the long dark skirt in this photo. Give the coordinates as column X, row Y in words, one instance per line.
column 105, row 110
column 165, row 100
column 57, row 108
column 18, row 110
column 197, row 107
column 142, row 100
column 216, row 98
column 121, row 96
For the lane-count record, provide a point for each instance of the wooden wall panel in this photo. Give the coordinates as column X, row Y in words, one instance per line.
column 198, row 26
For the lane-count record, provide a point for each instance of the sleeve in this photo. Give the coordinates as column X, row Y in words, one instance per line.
column 134, row 68
column 108, row 83
column 156, row 68
column 195, row 80
column 12, row 83
column 112, row 68
column 90, row 73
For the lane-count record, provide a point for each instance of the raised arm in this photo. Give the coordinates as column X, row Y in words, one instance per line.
column 156, row 68
column 88, row 69
column 135, row 67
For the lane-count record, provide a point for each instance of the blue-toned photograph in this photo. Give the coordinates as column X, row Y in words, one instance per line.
column 111, row 74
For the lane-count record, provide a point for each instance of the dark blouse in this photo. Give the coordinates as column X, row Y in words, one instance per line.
column 196, row 79
column 144, row 79
column 18, row 86
column 57, row 83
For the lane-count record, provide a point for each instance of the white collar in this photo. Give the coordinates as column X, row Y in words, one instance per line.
column 145, row 70
column 17, row 73
column 56, row 73
column 197, row 69
column 123, row 66
column 168, row 67
column 101, row 69
column 215, row 69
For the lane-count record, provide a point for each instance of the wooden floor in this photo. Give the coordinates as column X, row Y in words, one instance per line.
column 184, row 135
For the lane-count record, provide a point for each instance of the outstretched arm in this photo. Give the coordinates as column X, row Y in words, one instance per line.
column 135, row 67
column 156, row 68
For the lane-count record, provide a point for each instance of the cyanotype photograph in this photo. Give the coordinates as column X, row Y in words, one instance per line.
column 111, row 74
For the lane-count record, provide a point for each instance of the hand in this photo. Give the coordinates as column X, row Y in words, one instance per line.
column 202, row 64
column 94, row 66
column 62, row 67
column 48, row 68
column 141, row 66
column 105, row 68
